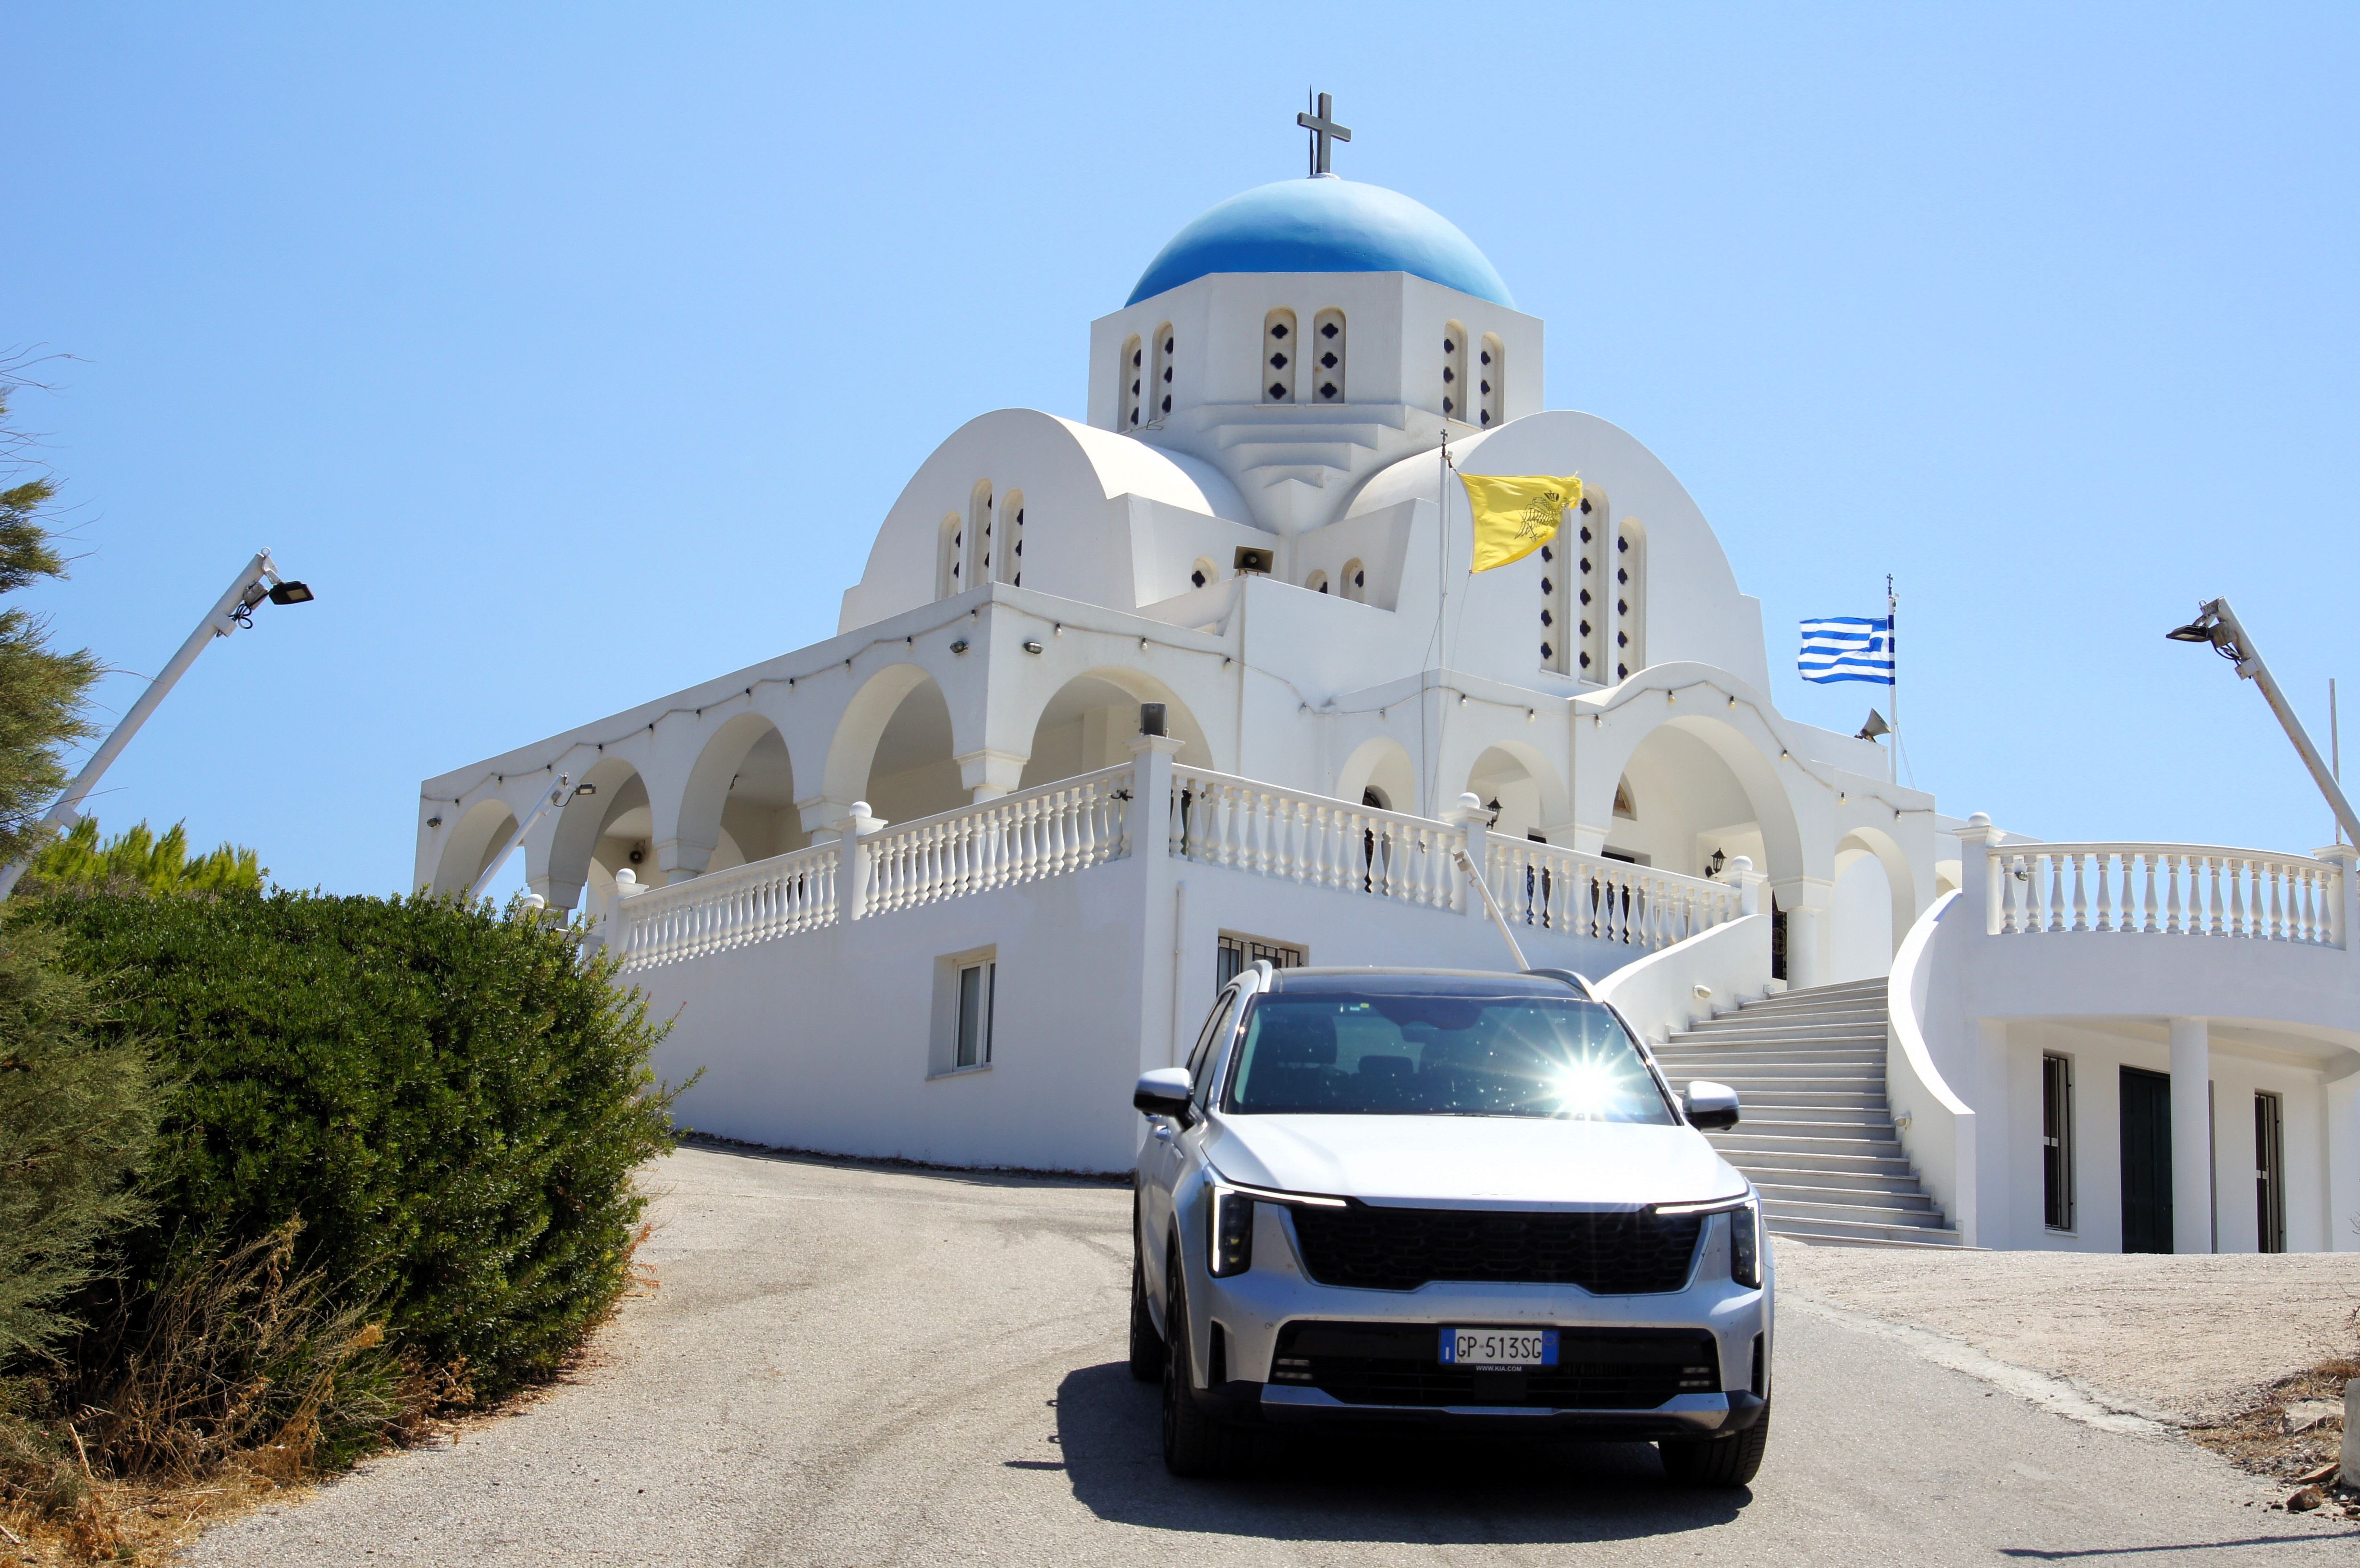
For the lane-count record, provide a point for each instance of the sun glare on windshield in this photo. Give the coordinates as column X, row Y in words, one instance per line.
column 1388, row 1054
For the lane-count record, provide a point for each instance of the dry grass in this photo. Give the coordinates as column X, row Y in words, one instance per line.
column 2255, row 1439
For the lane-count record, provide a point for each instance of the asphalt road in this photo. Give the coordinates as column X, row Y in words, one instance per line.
column 854, row 1365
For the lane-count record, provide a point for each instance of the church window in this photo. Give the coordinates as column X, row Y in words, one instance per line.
column 1130, row 377
column 978, row 534
column 1159, row 385
column 1328, row 356
column 977, row 983
column 1491, row 379
column 948, row 558
column 1316, row 583
column 1281, row 347
column 1012, row 541
column 1592, row 603
column 1356, row 582
column 1630, row 598
column 1454, row 370
column 1203, row 572
column 1556, row 644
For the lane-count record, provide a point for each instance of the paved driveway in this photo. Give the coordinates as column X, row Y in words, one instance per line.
column 854, row 1365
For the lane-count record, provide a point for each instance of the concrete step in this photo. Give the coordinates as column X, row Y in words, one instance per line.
column 1848, row 1234
column 1824, row 1012
column 1876, row 1121
column 1846, row 1169
column 1814, row 1192
column 1872, row 1051
column 1871, row 1211
column 1754, row 1032
column 1742, row 1070
column 1759, row 1105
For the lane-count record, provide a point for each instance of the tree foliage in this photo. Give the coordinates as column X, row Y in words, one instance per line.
column 140, row 861
column 41, row 691
column 451, row 1101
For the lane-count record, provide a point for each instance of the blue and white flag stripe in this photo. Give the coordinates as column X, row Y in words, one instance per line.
column 1847, row 648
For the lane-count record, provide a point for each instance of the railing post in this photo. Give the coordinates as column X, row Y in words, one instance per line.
column 1749, row 884
column 2340, row 908
column 852, row 874
column 1147, row 825
column 1979, row 875
column 1474, row 824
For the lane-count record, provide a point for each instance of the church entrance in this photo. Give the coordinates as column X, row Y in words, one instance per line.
column 2146, row 1160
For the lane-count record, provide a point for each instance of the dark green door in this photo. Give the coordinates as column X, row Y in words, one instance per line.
column 2146, row 1160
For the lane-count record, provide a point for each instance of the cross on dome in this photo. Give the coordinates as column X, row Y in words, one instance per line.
column 1320, row 122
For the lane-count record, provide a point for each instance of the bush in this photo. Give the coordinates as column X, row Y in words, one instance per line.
column 449, row 1102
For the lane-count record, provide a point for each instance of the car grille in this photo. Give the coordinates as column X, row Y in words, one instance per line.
column 1613, row 1254
column 1385, row 1364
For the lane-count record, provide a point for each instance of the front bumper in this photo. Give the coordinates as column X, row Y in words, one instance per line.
column 1275, row 1346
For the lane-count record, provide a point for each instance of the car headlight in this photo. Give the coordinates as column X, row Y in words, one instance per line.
column 1232, row 1232
column 1746, row 1243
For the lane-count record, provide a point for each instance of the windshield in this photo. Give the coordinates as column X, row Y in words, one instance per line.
column 1442, row 1055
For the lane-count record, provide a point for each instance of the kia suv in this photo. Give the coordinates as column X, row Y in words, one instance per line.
column 1460, row 1199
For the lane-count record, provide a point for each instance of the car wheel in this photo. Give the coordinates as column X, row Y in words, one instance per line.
column 1146, row 1345
column 1730, row 1461
column 1193, row 1443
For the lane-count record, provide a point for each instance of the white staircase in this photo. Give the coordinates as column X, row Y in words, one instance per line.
column 1816, row 1134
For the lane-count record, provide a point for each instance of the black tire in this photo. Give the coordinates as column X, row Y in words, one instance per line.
column 1718, row 1461
column 1146, row 1345
column 1193, row 1443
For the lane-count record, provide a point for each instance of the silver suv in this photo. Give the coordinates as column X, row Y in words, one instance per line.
column 1452, row 1198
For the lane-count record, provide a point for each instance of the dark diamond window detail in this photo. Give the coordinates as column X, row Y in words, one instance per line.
column 1585, row 539
column 1621, row 672
column 1448, row 406
column 1621, row 607
column 1328, row 360
column 1623, row 543
column 1017, row 580
column 1621, row 639
column 1548, row 586
column 1134, row 413
column 1585, row 628
column 1621, row 575
column 1548, row 619
column 1198, row 578
column 1134, row 359
column 1584, row 563
column 1168, row 375
column 1328, row 389
column 958, row 538
column 1448, row 375
column 1487, row 415
column 1167, row 403
column 1167, row 346
column 1548, row 652
column 1487, row 388
column 1547, row 554
column 1278, row 362
column 1585, row 661
column 1449, row 347
column 1020, row 516
column 1328, row 331
column 1486, row 356
column 1279, row 331
column 1277, row 390
column 1585, row 505
column 1359, row 580
column 1585, row 595
column 1020, row 543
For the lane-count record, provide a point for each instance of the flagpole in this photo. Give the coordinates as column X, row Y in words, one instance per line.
column 1892, row 646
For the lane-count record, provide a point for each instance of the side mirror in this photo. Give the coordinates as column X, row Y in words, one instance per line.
column 1709, row 1107
column 1164, row 1092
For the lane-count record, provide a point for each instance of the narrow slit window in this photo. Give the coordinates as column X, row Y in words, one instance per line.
column 1328, row 357
column 1454, row 370
column 1356, row 582
column 978, row 534
column 977, row 983
column 1281, row 355
column 950, row 571
column 1159, row 385
column 1630, row 587
column 1010, row 553
column 2270, row 1172
column 1130, row 384
column 1491, row 379
column 2057, row 1142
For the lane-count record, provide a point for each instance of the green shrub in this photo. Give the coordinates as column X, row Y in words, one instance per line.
column 137, row 861
column 451, row 1102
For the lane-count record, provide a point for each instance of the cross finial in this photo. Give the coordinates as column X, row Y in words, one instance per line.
column 1320, row 122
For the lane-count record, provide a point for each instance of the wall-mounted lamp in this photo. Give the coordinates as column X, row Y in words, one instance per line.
column 584, row 792
column 959, row 647
column 434, row 822
column 1032, row 645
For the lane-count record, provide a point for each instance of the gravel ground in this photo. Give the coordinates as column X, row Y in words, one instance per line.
column 2193, row 1338
column 847, row 1365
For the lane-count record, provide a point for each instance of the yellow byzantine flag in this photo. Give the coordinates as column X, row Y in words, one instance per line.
column 1516, row 513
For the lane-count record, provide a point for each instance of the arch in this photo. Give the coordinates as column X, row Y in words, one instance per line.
column 467, row 854
column 600, row 827
column 1699, row 783
column 1381, row 767
column 1282, row 346
column 1130, row 372
column 1853, row 916
column 1492, row 379
column 1012, row 543
column 1629, row 597
column 739, row 804
column 1356, row 581
column 1086, row 723
column 1317, row 581
column 1454, row 370
column 1531, row 796
column 1203, row 572
column 893, row 748
column 978, row 533
column 1948, row 877
column 949, row 563
column 1327, row 345
column 1159, row 387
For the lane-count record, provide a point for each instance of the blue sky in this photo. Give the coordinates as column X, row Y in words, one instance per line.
column 574, row 353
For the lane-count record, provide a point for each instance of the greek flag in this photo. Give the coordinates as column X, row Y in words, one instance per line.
column 1847, row 648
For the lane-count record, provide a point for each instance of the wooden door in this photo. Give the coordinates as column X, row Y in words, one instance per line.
column 2146, row 1160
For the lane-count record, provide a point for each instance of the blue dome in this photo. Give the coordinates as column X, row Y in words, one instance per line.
column 1324, row 226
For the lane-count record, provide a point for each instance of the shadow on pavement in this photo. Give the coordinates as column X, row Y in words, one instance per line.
column 1412, row 1486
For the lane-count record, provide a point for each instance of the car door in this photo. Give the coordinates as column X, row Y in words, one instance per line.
column 1163, row 1163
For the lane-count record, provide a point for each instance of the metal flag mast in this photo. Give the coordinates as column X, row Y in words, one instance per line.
column 1893, row 697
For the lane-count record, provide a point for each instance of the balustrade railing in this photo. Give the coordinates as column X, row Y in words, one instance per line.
column 754, row 902
column 1045, row 831
column 2165, row 888
column 1221, row 820
column 1609, row 901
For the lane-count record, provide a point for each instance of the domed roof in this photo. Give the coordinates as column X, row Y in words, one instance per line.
column 1324, row 224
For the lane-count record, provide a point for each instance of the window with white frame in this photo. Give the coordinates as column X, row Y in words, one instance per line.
column 966, row 1006
column 972, row 1045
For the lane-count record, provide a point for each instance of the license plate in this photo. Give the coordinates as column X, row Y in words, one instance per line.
column 1499, row 1347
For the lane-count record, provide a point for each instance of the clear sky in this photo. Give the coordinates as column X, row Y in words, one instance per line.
column 574, row 353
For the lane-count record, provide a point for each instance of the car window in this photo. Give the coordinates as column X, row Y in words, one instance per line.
column 1201, row 1059
column 1442, row 1054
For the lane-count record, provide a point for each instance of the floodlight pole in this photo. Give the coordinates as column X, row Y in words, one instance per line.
column 234, row 609
column 556, row 797
column 2218, row 625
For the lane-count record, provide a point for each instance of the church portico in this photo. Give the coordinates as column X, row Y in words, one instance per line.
column 1122, row 703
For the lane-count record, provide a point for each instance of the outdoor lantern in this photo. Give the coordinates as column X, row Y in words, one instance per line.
column 290, row 594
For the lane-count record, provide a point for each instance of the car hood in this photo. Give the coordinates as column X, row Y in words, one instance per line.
column 1471, row 1162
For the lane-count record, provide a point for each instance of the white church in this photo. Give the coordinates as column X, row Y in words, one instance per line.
column 1122, row 703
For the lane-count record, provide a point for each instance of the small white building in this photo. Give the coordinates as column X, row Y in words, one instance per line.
column 925, row 889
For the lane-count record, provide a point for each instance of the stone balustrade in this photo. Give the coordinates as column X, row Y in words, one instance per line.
column 2164, row 889
column 1220, row 819
column 1609, row 901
